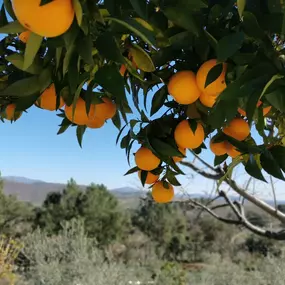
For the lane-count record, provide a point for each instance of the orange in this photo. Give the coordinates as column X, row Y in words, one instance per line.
column 10, row 114
column 146, row 160
column 95, row 123
column 232, row 151
column 50, row 20
column 80, row 115
column 237, row 129
column 177, row 158
column 47, row 100
column 215, row 87
column 218, row 148
column 150, row 178
column 123, row 69
column 24, row 36
column 160, row 194
column 183, row 88
column 105, row 110
column 208, row 100
column 184, row 136
column 266, row 110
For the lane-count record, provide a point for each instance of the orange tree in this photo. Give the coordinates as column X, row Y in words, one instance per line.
column 217, row 68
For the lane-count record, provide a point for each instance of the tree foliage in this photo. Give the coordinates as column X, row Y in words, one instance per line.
column 154, row 40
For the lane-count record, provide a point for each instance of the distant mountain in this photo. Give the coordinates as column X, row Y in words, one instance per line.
column 20, row 179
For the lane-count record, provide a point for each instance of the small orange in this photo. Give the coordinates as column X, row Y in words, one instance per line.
column 146, row 160
column 183, row 88
column 10, row 114
column 123, row 69
column 265, row 111
column 218, row 148
column 237, row 129
column 105, row 110
column 80, row 115
column 24, row 36
column 47, row 100
column 177, row 158
column 216, row 87
column 232, row 151
column 186, row 138
column 208, row 100
column 150, row 178
column 160, row 194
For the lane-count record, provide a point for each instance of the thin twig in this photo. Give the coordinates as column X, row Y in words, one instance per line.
column 273, row 191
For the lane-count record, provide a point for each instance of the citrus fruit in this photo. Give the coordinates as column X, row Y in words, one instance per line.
column 47, row 100
column 160, row 194
column 24, row 36
column 237, row 129
column 105, row 110
column 123, row 69
column 183, row 88
column 265, row 110
column 146, row 160
column 49, row 20
column 177, row 158
column 208, row 100
column 186, row 138
column 95, row 123
column 10, row 114
column 80, row 116
column 150, row 178
column 218, row 148
column 232, row 151
column 217, row 86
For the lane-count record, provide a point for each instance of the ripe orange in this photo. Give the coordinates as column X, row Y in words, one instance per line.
column 80, row 116
column 50, row 20
column 232, row 151
column 95, row 123
column 10, row 114
column 184, row 136
column 183, row 88
column 150, row 178
column 238, row 129
column 47, row 100
column 177, row 158
column 215, row 87
column 208, row 100
column 218, row 148
column 160, row 194
column 146, row 160
column 24, row 36
column 105, row 110
column 123, row 69
column 266, row 110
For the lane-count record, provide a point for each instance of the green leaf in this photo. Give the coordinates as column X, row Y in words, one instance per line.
column 65, row 124
column 9, row 9
column 220, row 159
column 164, row 148
column 21, row 88
column 132, row 170
column 193, row 125
column 32, row 47
column 111, row 80
column 241, row 5
column 73, row 75
column 26, row 102
column 58, row 54
column 253, row 169
column 126, row 140
column 170, row 176
column 84, row 46
column 158, row 100
column 117, row 120
column 143, row 177
column 270, row 165
column 278, row 152
column 214, row 74
column 251, row 105
column 140, row 7
column 12, row 28
column 17, row 60
column 146, row 35
column 45, row 78
column 142, row 59
column 107, row 46
column 66, row 59
column 80, row 130
column 277, row 99
column 229, row 45
column 120, row 133
column 3, row 17
column 251, row 26
column 78, row 11
column 273, row 80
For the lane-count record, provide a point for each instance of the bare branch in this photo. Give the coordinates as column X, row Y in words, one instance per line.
column 273, row 192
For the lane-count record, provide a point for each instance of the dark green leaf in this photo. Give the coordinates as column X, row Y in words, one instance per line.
column 117, row 120
column 229, row 45
column 128, row 150
column 80, row 130
column 253, row 169
column 158, row 100
column 65, row 124
column 84, row 47
column 164, row 148
column 26, row 102
column 108, row 47
column 3, row 18
column 251, row 105
column 270, row 165
column 140, row 7
column 132, row 170
column 12, row 28
column 251, row 26
column 126, row 140
column 32, row 47
column 73, row 75
column 120, row 132
column 143, row 177
column 9, row 9
column 193, row 125
column 44, row 2
column 172, row 179
column 144, row 118
column 278, row 152
column 220, row 159
column 71, row 35
column 214, row 74
column 277, row 99
column 78, row 11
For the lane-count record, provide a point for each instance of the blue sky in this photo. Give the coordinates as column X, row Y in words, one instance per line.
column 30, row 147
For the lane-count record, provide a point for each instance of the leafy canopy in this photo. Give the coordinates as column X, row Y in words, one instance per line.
column 153, row 40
